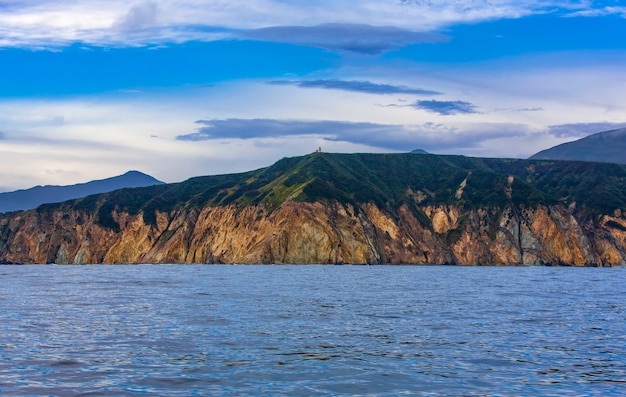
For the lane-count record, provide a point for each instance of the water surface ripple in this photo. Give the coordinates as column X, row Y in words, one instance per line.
column 311, row 330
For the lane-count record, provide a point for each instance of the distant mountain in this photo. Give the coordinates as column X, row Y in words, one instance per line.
column 605, row 147
column 419, row 151
column 32, row 198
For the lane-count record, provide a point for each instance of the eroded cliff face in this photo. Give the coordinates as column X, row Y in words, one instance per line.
column 318, row 233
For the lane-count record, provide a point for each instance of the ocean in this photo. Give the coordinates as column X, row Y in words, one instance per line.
column 303, row 330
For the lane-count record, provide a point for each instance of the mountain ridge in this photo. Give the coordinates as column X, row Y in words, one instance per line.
column 344, row 208
column 605, row 147
column 25, row 199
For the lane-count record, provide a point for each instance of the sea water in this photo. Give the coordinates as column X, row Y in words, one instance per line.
column 178, row 330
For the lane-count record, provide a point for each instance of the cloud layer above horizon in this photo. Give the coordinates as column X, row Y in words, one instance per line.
column 179, row 88
column 369, row 24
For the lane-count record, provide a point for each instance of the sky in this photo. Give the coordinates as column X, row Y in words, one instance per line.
column 182, row 88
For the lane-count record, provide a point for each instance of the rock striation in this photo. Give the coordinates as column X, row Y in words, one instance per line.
column 301, row 229
column 318, row 233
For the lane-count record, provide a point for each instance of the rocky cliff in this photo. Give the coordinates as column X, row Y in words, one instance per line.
column 318, row 233
column 417, row 229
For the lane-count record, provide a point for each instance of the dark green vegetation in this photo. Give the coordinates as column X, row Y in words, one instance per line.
column 387, row 180
column 608, row 147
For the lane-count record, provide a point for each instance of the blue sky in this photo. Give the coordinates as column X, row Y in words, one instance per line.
column 180, row 88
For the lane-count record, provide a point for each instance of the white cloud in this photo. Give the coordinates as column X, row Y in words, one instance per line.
column 599, row 12
column 118, row 22
column 140, row 16
column 85, row 138
column 66, row 141
column 73, row 140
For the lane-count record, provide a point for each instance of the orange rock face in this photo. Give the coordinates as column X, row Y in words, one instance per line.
column 306, row 233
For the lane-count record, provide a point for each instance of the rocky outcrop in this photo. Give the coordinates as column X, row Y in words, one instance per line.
column 299, row 232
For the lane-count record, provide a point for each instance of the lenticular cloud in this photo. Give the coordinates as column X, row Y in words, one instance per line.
column 30, row 23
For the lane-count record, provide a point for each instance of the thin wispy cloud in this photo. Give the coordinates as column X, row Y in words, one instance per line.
column 597, row 12
column 523, row 109
column 355, row 38
column 471, row 10
column 578, row 130
column 446, row 108
column 429, row 136
column 363, row 86
column 270, row 128
column 536, row 109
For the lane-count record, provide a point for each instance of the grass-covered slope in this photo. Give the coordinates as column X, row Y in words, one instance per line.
column 387, row 180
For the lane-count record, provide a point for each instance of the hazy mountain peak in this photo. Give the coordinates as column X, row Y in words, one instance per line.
column 26, row 199
column 419, row 151
column 604, row 147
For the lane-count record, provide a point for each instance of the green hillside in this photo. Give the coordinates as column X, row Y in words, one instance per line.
column 387, row 180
